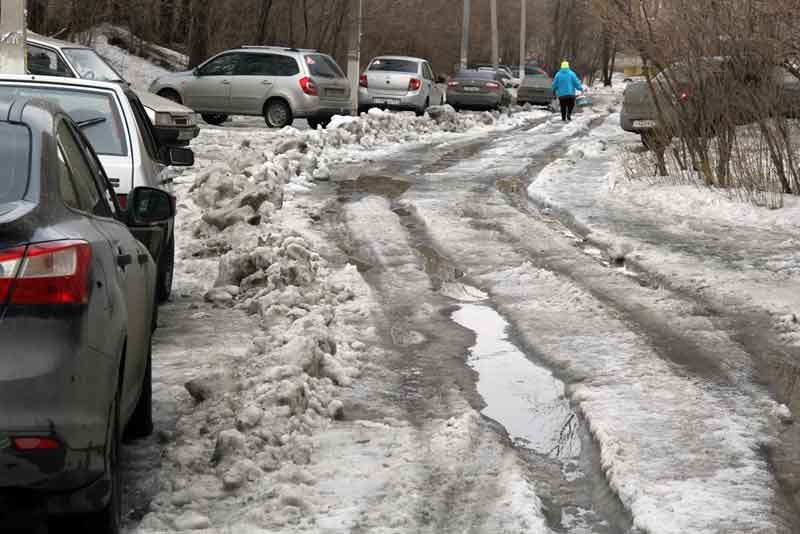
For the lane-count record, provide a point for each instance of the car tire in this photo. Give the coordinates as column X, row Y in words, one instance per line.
column 278, row 114
column 141, row 423
column 170, row 94
column 215, row 119
column 166, row 272
column 314, row 123
column 109, row 519
column 421, row 111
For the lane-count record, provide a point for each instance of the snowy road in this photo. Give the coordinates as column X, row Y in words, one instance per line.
column 415, row 346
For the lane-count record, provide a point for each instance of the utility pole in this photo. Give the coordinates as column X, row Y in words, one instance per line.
column 12, row 37
column 523, row 39
column 354, row 55
column 495, row 37
column 465, row 34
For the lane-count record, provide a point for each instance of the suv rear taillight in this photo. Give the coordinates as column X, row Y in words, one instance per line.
column 122, row 200
column 414, row 84
column 494, row 86
column 309, row 87
column 46, row 273
column 363, row 81
column 453, row 84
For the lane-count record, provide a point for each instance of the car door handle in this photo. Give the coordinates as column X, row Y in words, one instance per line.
column 226, row 82
column 266, row 82
column 123, row 260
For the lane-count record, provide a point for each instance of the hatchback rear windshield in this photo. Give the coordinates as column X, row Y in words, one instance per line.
column 476, row 75
column 15, row 155
column 323, row 66
column 395, row 65
column 106, row 136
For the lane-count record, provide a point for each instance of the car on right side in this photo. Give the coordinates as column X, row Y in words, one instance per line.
column 696, row 91
column 536, row 89
column 477, row 89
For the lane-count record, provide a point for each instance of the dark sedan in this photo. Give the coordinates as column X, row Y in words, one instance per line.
column 536, row 89
column 77, row 311
column 477, row 89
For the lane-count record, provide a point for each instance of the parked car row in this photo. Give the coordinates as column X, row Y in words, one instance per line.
column 86, row 254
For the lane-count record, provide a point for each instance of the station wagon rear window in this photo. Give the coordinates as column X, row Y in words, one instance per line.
column 107, row 136
column 395, row 65
column 15, row 155
column 323, row 66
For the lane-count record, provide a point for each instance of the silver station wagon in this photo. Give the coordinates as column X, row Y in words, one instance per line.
column 280, row 84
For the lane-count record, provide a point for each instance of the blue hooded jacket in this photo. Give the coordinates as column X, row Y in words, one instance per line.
column 566, row 83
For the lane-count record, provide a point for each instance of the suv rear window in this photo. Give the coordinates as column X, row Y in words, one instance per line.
column 15, row 153
column 394, row 65
column 107, row 137
column 322, row 66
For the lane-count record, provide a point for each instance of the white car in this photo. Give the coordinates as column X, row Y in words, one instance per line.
column 174, row 124
column 115, row 122
column 400, row 82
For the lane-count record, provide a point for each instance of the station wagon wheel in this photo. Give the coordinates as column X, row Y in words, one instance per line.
column 278, row 114
column 169, row 94
column 215, row 119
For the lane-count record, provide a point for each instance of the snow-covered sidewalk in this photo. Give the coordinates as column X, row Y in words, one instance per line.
column 692, row 238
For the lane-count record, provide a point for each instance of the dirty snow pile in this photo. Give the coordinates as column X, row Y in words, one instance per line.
column 248, row 438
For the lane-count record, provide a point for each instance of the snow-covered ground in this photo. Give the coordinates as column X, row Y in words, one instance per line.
column 264, row 442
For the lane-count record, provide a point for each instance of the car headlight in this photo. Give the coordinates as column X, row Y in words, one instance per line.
column 163, row 119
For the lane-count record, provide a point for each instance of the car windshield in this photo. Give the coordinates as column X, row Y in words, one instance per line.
column 395, row 65
column 15, row 153
column 90, row 65
column 107, row 137
column 323, row 66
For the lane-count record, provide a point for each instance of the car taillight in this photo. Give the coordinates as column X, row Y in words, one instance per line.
column 414, row 84
column 493, row 86
column 453, row 84
column 308, row 86
column 363, row 81
column 122, row 200
column 35, row 444
column 10, row 261
column 46, row 273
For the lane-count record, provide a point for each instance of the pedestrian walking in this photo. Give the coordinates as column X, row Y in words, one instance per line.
column 566, row 85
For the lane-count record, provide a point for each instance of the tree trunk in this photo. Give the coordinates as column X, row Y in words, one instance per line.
column 198, row 44
column 263, row 22
column 37, row 16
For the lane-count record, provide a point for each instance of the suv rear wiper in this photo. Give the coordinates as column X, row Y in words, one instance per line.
column 91, row 122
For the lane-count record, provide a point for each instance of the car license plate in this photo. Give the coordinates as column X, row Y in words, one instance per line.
column 471, row 89
column 644, row 124
column 385, row 101
column 334, row 92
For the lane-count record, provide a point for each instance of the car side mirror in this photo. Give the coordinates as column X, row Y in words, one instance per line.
column 149, row 205
column 196, row 72
column 177, row 156
column 441, row 79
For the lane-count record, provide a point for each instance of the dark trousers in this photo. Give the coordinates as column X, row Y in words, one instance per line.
column 567, row 105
